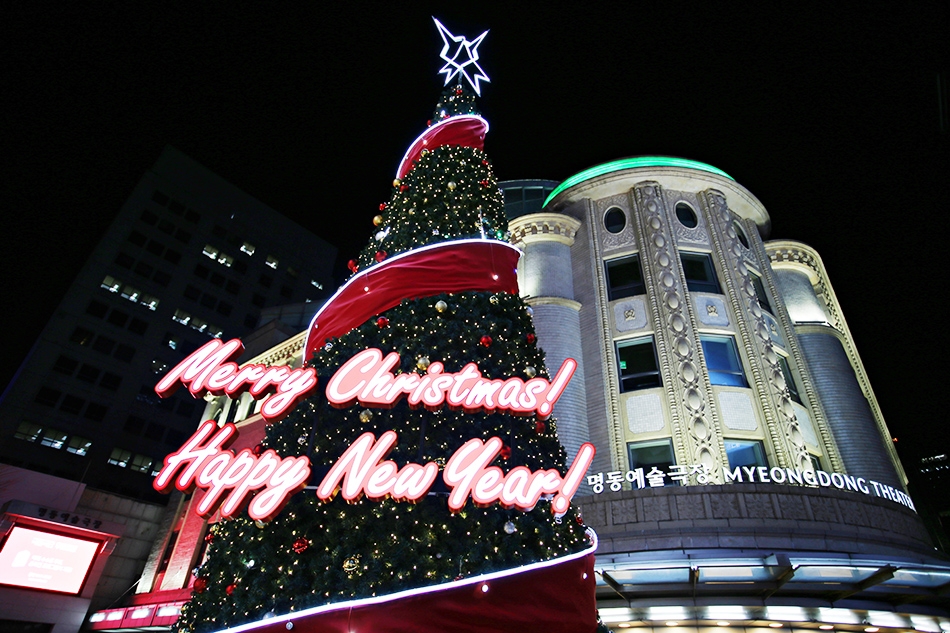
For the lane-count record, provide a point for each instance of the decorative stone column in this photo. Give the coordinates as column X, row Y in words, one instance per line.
column 695, row 426
column 546, row 281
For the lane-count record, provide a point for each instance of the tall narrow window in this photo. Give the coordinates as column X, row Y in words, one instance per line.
column 624, row 278
column 699, row 272
column 638, row 365
column 722, row 361
column 789, row 381
column 760, row 293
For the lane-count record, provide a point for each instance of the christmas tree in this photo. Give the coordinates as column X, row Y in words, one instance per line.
column 315, row 551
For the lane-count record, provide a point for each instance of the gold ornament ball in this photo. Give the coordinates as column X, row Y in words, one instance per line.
column 441, row 306
column 365, row 416
column 397, row 182
column 377, row 220
column 351, row 564
column 450, row 185
column 260, row 524
column 494, row 299
column 530, row 371
column 422, row 362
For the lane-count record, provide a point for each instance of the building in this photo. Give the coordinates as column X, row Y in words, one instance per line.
column 745, row 478
column 189, row 256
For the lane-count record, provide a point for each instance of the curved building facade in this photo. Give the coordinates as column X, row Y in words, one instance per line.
column 745, row 476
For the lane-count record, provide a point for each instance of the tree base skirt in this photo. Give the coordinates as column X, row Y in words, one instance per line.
column 556, row 596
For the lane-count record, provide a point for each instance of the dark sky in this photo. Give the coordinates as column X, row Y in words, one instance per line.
column 826, row 112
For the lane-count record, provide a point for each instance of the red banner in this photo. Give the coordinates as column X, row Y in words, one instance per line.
column 458, row 266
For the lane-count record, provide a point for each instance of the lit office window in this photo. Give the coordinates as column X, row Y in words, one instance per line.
column 722, row 361
column 271, row 261
column 53, row 438
column 120, row 457
column 78, row 445
column 28, row 431
column 247, row 248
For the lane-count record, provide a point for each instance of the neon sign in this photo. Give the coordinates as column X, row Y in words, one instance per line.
column 367, row 378
column 264, row 482
column 209, row 369
column 234, row 477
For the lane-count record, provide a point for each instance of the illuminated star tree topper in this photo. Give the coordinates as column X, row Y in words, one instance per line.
column 462, row 59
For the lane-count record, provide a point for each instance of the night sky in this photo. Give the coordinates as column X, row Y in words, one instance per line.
column 828, row 114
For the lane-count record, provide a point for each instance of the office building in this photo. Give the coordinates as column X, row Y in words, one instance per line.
column 188, row 257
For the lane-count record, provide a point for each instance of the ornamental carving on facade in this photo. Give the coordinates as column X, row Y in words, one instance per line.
column 686, row 385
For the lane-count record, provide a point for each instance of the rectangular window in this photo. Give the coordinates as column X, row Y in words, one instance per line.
column 71, row 404
column 53, row 438
column 745, row 453
column 722, row 361
column 88, row 373
column 141, row 463
column 96, row 412
column 110, row 283
column 97, row 309
column 789, row 381
column 65, row 365
column 760, row 293
column 124, row 352
column 271, row 261
column 28, row 431
column 637, row 363
column 653, row 454
column 82, row 336
column 181, row 316
column 118, row 318
column 48, row 396
column 624, row 278
column 110, row 381
column 120, row 457
column 78, row 445
column 699, row 272
column 247, row 248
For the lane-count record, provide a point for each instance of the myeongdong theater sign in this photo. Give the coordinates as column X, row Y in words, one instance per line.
column 264, row 482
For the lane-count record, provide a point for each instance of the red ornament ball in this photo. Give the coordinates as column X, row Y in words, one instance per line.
column 257, row 450
column 539, row 427
column 485, row 162
column 485, row 341
column 209, row 537
column 352, row 265
column 429, row 122
column 200, row 585
column 300, row 545
column 230, row 589
column 382, row 322
column 403, row 187
column 458, row 91
column 380, row 256
column 531, row 338
column 382, row 206
column 483, row 183
column 579, row 519
column 505, row 452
